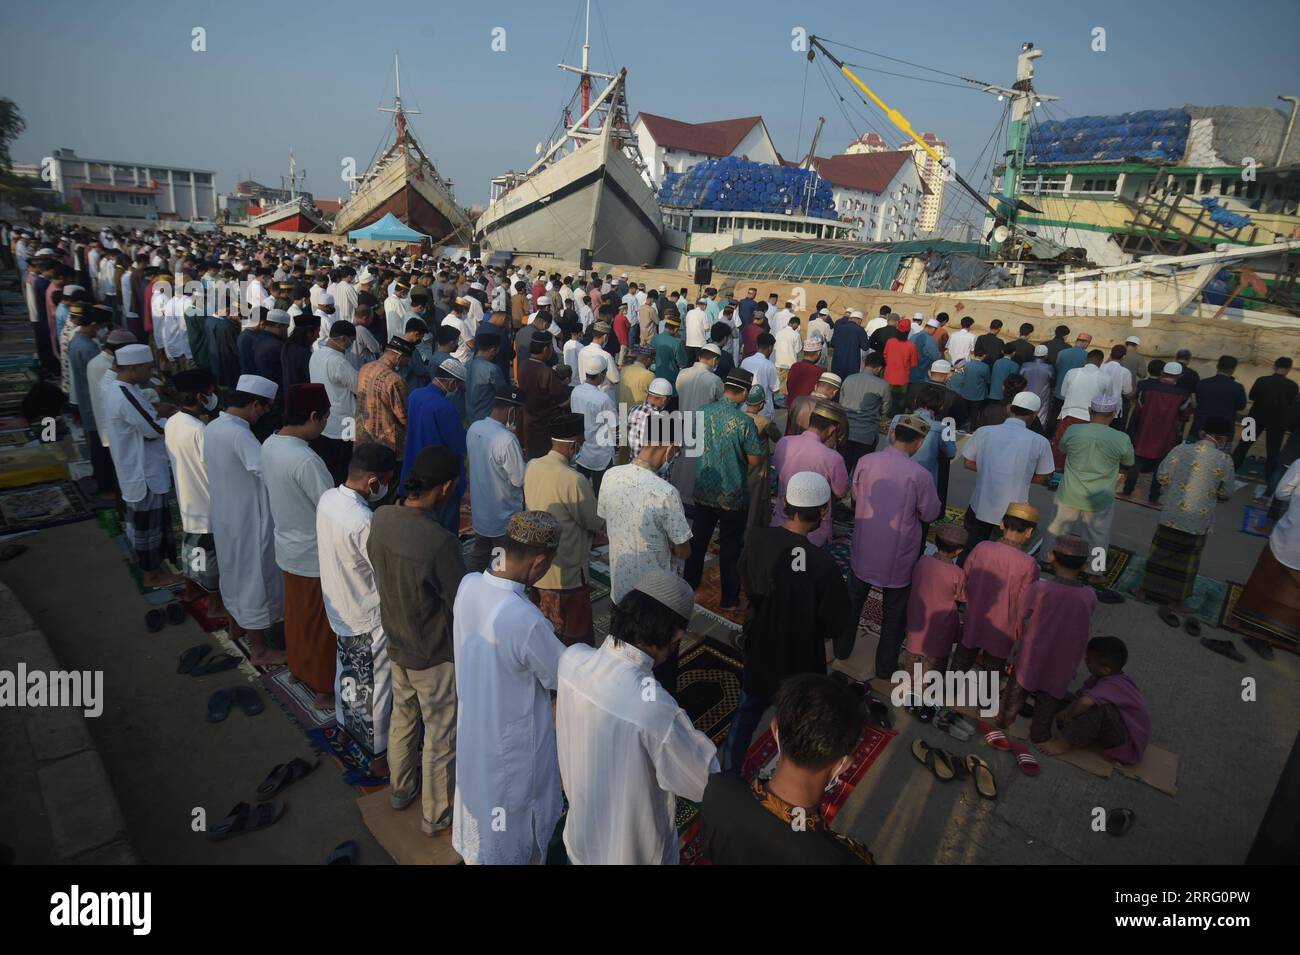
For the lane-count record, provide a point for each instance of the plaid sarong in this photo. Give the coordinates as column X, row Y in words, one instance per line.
column 148, row 529
column 1170, row 574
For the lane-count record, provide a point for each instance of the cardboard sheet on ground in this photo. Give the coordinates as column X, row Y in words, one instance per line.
column 399, row 833
column 1158, row 769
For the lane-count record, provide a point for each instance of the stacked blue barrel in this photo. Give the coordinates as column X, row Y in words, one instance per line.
column 732, row 184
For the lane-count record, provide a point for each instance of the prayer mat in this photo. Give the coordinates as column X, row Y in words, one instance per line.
column 42, row 505
column 399, row 832
column 709, row 597
column 1208, row 594
column 708, row 687
column 1158, row 769
column 1230, row 597
column 1252, row 469
column 296, row 699
column 1141, row 490
column 16, row 382
column 336, row 743
column 1118, row 560
column 17, row 437
column 1255, row 521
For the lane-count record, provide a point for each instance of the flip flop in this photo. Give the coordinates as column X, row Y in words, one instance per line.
column 935, row 760
column 1120, row 821
column 1109, row 595
column 1192, row 626
column 345, row 853
column 994, row 737
column 979, row 770
column 155, row 619
column 284, row 775
column 1168, row 616
column 1025, row 759
column 247, row 699
column 879, row 713
column 190, row 658
column 1262, row 648
column 1224, row 648
column 219, row 704
column 245, row 818
column 217, row 664
column 926, row 713
column 10, row 551
column 176, row 613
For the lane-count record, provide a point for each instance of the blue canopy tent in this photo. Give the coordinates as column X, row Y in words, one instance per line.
column 388, row 229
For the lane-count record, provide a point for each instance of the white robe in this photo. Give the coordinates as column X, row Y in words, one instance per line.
column 508, row 794
column 252, row 586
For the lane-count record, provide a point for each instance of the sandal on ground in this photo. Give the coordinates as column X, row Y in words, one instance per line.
column 1109, row 595
column 345, row 853
column 955, row 725
column 1168, row 616
column 217, row 664
column 219, row 704
column 10, row 551
column 176, row 613
column 155, row 619
column 1225, row 648
column 246, row 699
column 979, row 770
column 1120, row 821
column 1263, row 649
column 935, row 760
column 245, row 818
column 190, row 658
column 284, row 775
column 994, row 737
column 1192, row 626
column 1025, row 759
column 879, row 713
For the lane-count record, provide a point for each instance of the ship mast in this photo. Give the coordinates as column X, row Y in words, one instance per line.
column 586, row 77
column 399, row 114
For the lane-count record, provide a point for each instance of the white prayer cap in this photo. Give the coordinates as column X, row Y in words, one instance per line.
column 477, row 285
column 712, row 349
column 931, row 323
column 1172, row 368
column 591, row 364
column 661, row 387
column 853, row 312
column 1027, row 401
column 365, row 276
column 1040, row 351
column 544, row 300
column 668, row 589
column 824, row 311
column 813, row 345
column 450, row 368
column 257, row 385
column 623, row 276
column 277, row 316
column 807, row 489
column 663, row 288
column 918, row 316
column 325, row 298
column 45, row 251
column 1104, row 404
column 549, row 286
column 134, row 355
column 941, row 367
column 1132, row 340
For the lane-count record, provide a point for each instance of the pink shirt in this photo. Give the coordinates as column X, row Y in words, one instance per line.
column 892, row 496
column 805, row 452
column 998, row 576
column 1058, row 621
column 932, row 619
column 1121, row 691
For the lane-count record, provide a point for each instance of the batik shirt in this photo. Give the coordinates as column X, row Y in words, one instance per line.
column 727, row 436
column 1195, row 475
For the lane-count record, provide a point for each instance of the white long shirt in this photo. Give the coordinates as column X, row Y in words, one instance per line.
column 508, row 797
column 97, row 370
column 331, row 368
column 496, row 476
column 764, row 373
column 1285, row 539
column 135, row 441
column 1117, row 381
column 1007, row 456
column 697, row 328
column 395, row 312
column 960, row 345
column 1078, row 389
column 172, row 334
column 626, row 752
column 345, row 301
column 347, row 580
column 611, row 367
column 252, row 586
column 296, row 478
column 184, row 439
column 600, row 426
column 788, row 348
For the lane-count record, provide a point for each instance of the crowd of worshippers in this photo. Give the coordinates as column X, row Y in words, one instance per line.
column 321, row 441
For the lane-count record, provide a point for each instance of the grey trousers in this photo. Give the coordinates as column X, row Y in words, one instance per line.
column 429, row 697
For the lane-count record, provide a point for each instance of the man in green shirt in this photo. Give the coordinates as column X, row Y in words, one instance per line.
column 670, row 353
column 729, row 446
column 1085, row 501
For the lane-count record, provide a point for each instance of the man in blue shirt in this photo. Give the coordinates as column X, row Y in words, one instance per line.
column 433, row 420
column 971, row 382
column 745, row 307
column 1004, row 366
column 848, row 342
column 927, row 350
column 483, row 377
column 1067, row 359
column 1219, row 397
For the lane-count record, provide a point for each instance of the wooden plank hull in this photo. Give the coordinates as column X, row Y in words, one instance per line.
column 405, row 190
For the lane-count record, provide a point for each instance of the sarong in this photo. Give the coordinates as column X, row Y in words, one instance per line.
column 363, row 689
column 569, row 611
column 1269, row 607
column 1170, row 573
column 309, row 642
column 148, row 529
column 199, row 560
column 1058, row 456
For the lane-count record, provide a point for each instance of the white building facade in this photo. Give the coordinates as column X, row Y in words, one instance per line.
column 184, row 194
column 670, row 145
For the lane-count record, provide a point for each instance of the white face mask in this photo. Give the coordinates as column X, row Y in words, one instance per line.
column 379, row 494
column 210, row 402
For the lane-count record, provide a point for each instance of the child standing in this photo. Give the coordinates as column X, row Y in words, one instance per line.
column 1058, row 616
column 1109, row 709
column 932, row 616
column 996, row 576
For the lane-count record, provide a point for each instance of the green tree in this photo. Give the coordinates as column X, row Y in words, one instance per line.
column 11, row 127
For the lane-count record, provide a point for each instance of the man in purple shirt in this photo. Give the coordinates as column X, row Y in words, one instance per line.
column 812, row 450
column 893, row 496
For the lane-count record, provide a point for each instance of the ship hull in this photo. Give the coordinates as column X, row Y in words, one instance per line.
column 405, row 190
column 594, row 198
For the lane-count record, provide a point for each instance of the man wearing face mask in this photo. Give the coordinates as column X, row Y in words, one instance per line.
column 183, row 435
column 779, row 822
column 496, row 476
column 554, row 485
column 347, row 580
column 243, row 531
column 799, row 604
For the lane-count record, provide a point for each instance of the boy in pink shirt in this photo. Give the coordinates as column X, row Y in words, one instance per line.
column 933, row 621
column 1058, row 618
column 1108, row 711
column 997, row 576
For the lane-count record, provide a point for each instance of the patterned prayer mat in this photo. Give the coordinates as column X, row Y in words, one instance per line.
column 1208, row 594
column 1252, row 469
column 42, row 505
column 15, row 382
column 709, row 596
column 1255, row 521
column 708, row 687
column 1231, row 596
column 17, row 437
column 297, row 701
column 1140, row 490
column 1118, row 560
column 335, row 742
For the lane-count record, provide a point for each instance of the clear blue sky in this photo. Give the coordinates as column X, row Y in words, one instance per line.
column 120, row 81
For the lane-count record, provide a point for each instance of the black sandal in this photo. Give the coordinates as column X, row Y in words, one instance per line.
column 245, row 818
column 1192, row 626
column 284, row 775
column 1168, row 616
column 935, row 760
column 217, row 664
column 1224, row 648
column 191, row 657
column 246, row 699
column 1120, row 821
